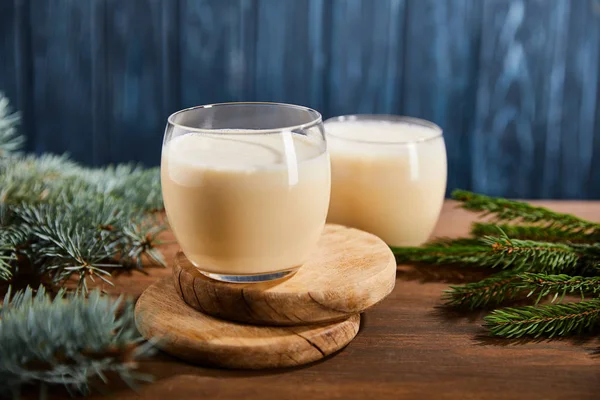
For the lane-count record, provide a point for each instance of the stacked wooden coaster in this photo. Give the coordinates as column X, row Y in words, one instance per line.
column 288, row 322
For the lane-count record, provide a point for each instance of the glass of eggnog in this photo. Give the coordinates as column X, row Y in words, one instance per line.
column 246, row 187
column 388, row 176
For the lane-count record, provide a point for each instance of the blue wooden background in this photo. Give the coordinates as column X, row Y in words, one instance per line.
column 514, row 83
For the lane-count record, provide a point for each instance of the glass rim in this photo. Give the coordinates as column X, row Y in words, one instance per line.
column 315, row 121
column 386, row 118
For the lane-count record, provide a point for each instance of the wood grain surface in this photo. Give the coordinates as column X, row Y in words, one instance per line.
column 349, row 272
column 194, row 336
column 408, row 347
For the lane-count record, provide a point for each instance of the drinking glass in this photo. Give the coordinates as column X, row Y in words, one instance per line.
column 246, row 187
column 388, row 175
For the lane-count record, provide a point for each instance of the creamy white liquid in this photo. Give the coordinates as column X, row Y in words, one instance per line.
column 245, row 204
column 388, row 178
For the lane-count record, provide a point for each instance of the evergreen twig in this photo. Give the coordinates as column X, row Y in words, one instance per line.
column 489, row 291
column 509, row 285
column 78, row 221
column 504, row 253
column 504, row 210
column 70, row 340
column 557, row 285
column 533, row 232
column 541, row 252
column 547, row 320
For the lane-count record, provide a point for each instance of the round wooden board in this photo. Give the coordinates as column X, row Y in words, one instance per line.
column 193, row 336
column 350, row 271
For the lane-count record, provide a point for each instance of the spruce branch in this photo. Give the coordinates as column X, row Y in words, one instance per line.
column 74, row 221
column 64, row 246
column 529, row 255
column 71, row 340
column 534, row 232
column 503, row 253
column 546, row 320
column 557, row 286
column 86, row 238
column 11, row 239
column 509, row 285
column 489, row 291
column 541, row 252
column 141, row 239
column 60, row 220
column 504, row 210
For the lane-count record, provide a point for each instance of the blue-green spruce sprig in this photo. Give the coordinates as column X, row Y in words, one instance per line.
column 72, row 340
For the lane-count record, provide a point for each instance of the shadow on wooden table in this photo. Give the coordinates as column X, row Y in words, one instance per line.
column 440, row 273
column 581, row 340
column 168, row 371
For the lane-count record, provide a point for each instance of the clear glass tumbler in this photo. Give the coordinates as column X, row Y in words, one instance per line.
column 246, row 187
column 388, row 175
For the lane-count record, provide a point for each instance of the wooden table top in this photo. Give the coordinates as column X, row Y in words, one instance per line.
column 408, row 348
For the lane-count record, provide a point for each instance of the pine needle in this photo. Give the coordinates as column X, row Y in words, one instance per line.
column 487, row 292
column 502, row 252
column 77, row 222
column 69, row 340
column 557, row 286
column 504, row 210
column 537, row 233
column 546, row 320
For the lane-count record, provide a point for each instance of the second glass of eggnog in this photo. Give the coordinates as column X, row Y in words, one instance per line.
column 246, row 187
column 388, row 176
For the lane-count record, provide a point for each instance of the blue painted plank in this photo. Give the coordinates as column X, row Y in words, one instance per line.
column 16, row 64
column 517, row 139
column 170, row 56
column 217, row 51
column 99, row 84
column 580, row 153
column 553, row 98
column 134, row 62
column 366, row 57
column 62, row 90
column 290, row 58
column 8, row 51
column 441, row 57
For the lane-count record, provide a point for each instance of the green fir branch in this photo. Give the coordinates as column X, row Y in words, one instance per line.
column 504, row 210
column 503, row 253
column 557, row 286
column 529, row 255
column 534, row 232
column 542, row 253
column 489, row 291
column 546, row 320
column 509, row 285
column 71, row 340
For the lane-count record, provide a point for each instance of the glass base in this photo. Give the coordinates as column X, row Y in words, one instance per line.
column 272, row 276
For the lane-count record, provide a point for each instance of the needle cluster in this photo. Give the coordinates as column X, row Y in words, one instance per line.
column 65, row 222
column 76, row 342
column 69, row 227
column 539, row 255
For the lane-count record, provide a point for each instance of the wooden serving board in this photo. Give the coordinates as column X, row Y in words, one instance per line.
column 350, row 271
column 193, row 336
